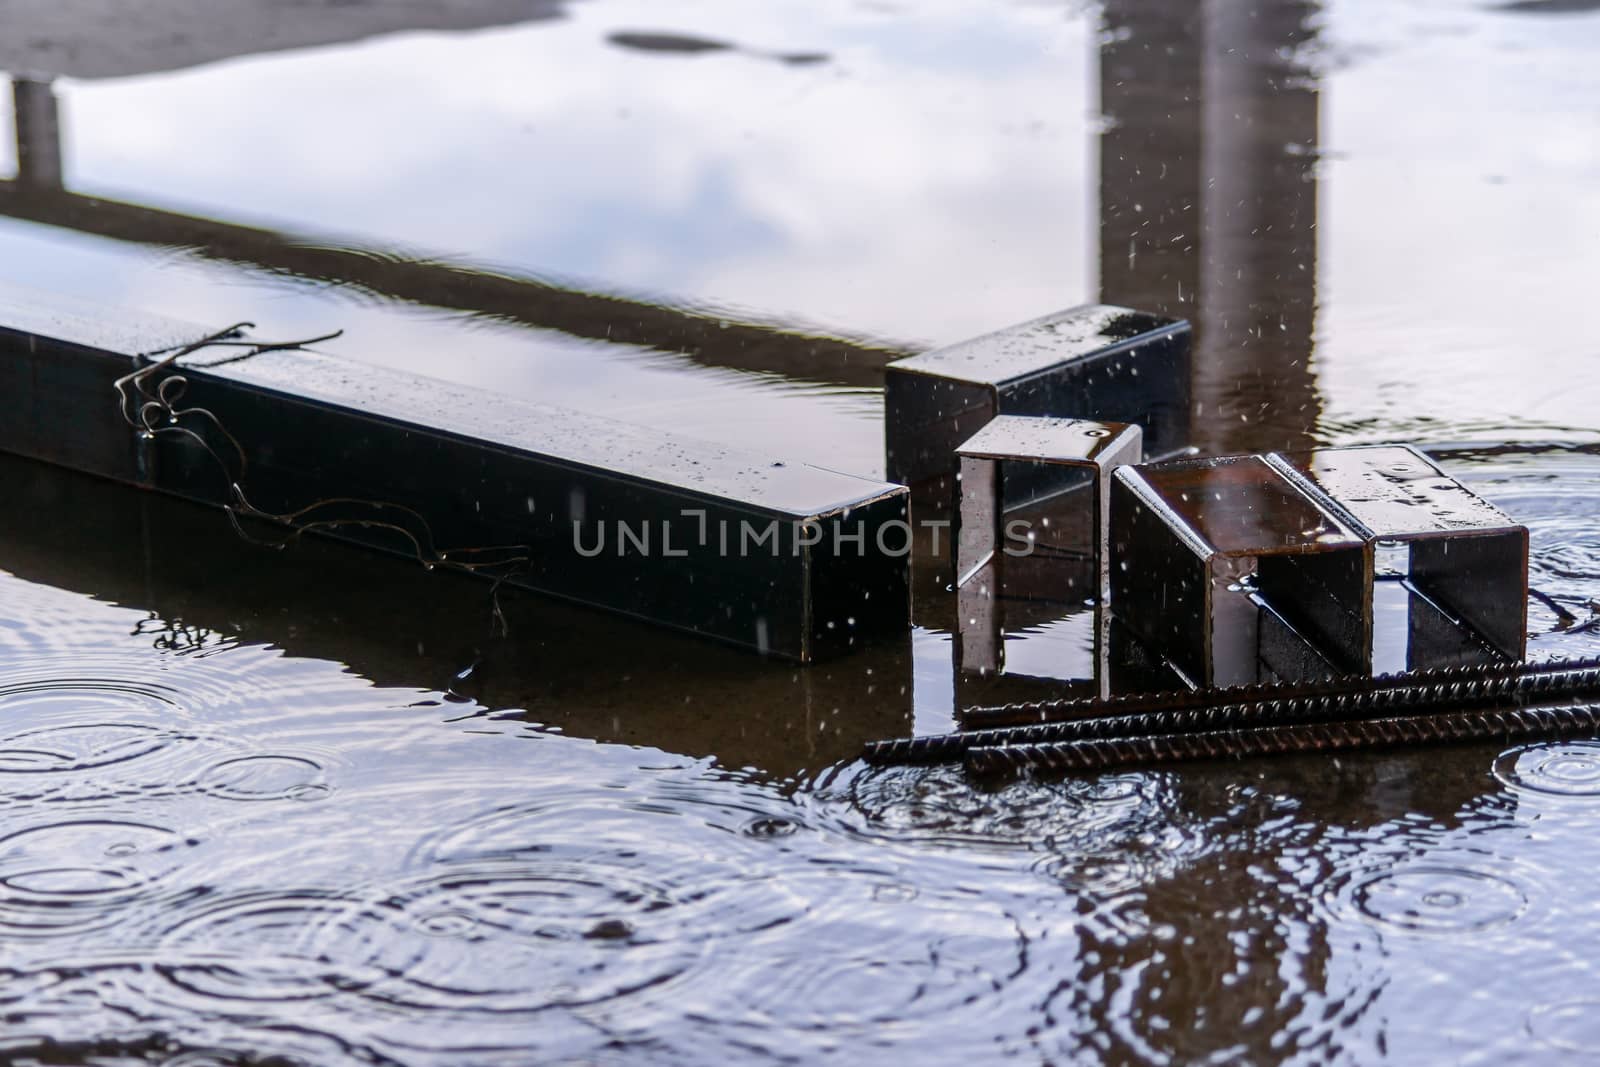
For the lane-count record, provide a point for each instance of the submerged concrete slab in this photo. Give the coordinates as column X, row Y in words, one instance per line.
column 770, row 554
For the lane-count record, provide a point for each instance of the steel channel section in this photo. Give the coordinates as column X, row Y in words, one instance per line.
column 1185, row 535
column 1053, row 476
column 1461, row 584
column 478, row 470
column 1467, row 562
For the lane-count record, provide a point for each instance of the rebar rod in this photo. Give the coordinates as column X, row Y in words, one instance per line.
column 1511, row 724
column 1040, row 711
column 1574, row 680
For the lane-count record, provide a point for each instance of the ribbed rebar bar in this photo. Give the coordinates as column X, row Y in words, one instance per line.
column 1041, row 711
column 1578, row 679
column 1442, row 727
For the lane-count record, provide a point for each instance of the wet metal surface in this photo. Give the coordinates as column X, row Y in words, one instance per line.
column 1031, row 545
column 1441, row 575
column 306, row 805
column 1215, row 712
column 1092, row 362
column 1459, row 556
column 1040, row 488
column 1238, row 506
column 774, row 555
column 1442, row 728
column 1396, row 493
column 1187, row 539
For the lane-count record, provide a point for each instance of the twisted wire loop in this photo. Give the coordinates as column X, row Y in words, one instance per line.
column 150, row 401
column 1504, row 725
column 1543, row 683
column 1026, row 713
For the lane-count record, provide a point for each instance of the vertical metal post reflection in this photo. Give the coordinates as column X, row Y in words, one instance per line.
column 1208, row 201
column 38, row 127
column 1207, row 210
column 1258, row 244
column 1150, row 179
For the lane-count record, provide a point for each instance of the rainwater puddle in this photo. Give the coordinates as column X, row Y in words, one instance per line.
column 307, row 808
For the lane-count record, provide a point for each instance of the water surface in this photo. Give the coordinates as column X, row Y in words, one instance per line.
column 307, row 805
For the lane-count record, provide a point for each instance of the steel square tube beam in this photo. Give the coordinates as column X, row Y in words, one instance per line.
column 1093, row 362
column 777, row 556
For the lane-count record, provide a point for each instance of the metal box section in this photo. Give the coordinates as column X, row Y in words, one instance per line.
column 1039, row 489
column 1443, row 557
column 1330, row 561
column 1030, row 547
column 1092, row 362
column 1187, row 536
column 773, row 555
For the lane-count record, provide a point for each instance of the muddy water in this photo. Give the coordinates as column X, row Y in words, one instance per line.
column 305, row 807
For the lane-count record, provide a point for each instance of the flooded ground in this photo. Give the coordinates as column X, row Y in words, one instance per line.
column 306, row 808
